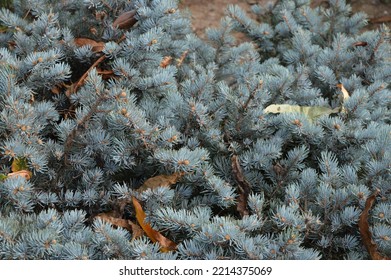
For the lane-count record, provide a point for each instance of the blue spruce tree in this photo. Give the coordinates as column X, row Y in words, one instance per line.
column 266, row 149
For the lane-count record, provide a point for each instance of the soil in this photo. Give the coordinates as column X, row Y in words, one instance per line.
column 207, row 13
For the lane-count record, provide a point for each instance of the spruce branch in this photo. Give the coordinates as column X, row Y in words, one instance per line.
column 81, row 125
column 252, row 94
column 145, row 107
column 383, row 37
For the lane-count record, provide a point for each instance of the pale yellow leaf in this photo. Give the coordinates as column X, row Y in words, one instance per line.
column 311, row 112
column 345, row 93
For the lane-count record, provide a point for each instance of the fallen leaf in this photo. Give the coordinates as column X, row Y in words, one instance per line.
column 155, row 236
column 363, row 226
column 55, row 90
column 360, row 44
column 160, row 181
column 311, row 112
column 345, row 96
column 24, row 173
column 96, row 46
column 114, row 219
column 125, row 20
column 345, row 93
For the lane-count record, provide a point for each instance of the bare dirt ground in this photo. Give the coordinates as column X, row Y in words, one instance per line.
column 207, row 13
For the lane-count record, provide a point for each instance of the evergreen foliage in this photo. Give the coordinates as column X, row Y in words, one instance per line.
column 159, row 100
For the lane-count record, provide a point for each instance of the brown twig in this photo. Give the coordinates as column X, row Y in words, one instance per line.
column 182, row 58
column 381, row 19
column 363, row 226
column 244, row 187
column 80, row 82
column 81, row 124
column 379, row 42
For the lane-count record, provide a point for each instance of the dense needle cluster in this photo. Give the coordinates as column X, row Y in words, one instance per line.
column 270, row 147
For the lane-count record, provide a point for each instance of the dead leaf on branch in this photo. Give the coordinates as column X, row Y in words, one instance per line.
column 381, row 19
column 125, row 20
column 75, row 86
column 114, row 219
column 150, row 184
column 155, row 236
column 311, row 112
column 55, row 89
column 96, row 46
column 345, row 93
column 23, row 173
column 363, row 226
column 360, row 44
column 160, row 181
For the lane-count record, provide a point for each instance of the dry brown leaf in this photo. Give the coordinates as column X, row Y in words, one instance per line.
column 96, row 46
column 345, row 93
column 106, row 74
column 360, row 44
column 24, row 173
column 363, row 226
column 137, row 231
column 160, row 181
column 182, row 58
column 55, row 90
column 381, row 19
column 244, row 187
column 155, row 236
column 112, row 218
column 125, row 20
column 166, row 61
